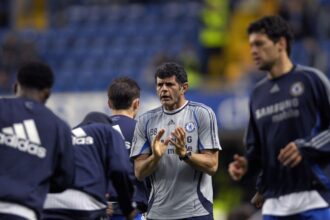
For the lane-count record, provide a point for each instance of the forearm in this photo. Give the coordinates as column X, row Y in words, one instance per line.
column 145, row 167
column 316, row 147
column 254, row 167
column 124, row 187
column 205, row 162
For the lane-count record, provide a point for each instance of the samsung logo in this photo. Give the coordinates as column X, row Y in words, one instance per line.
column 276, row 108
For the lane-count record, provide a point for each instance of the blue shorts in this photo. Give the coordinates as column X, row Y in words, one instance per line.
column 314, row 214
column 204, row 217
column 11, row 217
column 68, row 214
column 122, row 217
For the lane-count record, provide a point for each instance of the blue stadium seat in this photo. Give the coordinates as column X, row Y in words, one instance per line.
column 77, row 15
column 102, row 41
column 325, row 45
column 299, row 53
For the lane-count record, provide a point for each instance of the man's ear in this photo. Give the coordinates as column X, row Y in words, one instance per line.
column 184, row 87
column 15, row 87
column 283, row 44
column 136, row 104
column 110, row 104
column 45, row 95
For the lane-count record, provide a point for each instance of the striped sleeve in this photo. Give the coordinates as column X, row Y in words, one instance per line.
column 140, row 143
column 207, row 128
column 319, row 143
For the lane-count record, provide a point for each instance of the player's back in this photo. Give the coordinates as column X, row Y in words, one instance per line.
column 99, row 156
column 96, row 155
column 126, row 126
column 32, row 139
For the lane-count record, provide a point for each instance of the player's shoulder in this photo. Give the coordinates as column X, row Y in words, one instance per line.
column 151, row 113
column 11, row 100
column 27, row 108
column 306, row 69
column 260, row 84
column 97, row 129
column 97, row 126
column 310, row 72
column 3, row 100
column 59, row 121
column 24, row 105
column 198, row 106
column 122, row 120
column 200, row 110
column 5, row 104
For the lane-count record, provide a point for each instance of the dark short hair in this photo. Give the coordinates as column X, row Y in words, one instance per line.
column 274, row 27
column 171, row 69
column 36, row 75
column 122, row 91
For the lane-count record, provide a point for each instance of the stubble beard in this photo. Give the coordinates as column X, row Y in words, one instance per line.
column 267, row 66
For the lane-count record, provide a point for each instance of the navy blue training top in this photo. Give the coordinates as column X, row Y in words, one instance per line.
column 126, row 126
column 35, row 153
column 100, row 155
column 292, row 107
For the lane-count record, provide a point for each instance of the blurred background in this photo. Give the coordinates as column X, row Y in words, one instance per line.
column 90, row 42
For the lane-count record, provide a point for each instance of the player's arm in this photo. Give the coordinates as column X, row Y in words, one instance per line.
column 118, row 168
column 206, row 161
column 317, row 146
column 63, row 175
column 207, row 157
column 290, row 155
column 257, row 200
column 145, row 164
column 249, row 165
column 238, row 167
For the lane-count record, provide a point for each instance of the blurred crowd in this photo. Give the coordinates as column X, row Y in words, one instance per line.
column 216, row 57
column 219, row 57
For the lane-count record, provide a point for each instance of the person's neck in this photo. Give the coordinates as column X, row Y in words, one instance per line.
column 179, row 105
column 31, row 94
column 126, row 112
column 282, row 67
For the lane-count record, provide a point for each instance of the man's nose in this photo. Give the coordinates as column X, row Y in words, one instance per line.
column 164, row 87
column 253, row 50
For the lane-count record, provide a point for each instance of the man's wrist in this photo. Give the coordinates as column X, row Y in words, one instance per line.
column 156, row 157
column 186, row 156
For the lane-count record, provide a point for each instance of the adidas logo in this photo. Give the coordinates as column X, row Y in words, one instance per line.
column 274, row 89
column 127, row 143
column 80, row 137
column 23, row 137
column 171, row 123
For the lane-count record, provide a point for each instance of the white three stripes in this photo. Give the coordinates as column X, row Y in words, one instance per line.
column 320, row 139
column 31, row 130
column 27, row 130
column 79, row 132
column 19, row 131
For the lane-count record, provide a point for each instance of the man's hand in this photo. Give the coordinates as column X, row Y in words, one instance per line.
column 132, row 215
column 145, row 164
column 257, row 200
column 179, row 142
column 290, row 155
column 238, row 167
column 109, row 209
column 159, row 147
